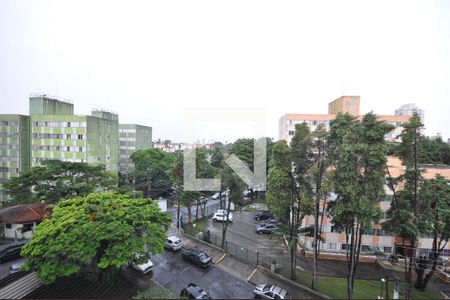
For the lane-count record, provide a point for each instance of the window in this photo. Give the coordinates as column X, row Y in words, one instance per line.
column 291, row 132
column 27, row 227
column 8, row 226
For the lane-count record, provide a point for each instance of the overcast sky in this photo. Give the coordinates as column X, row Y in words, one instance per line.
column 149, row 60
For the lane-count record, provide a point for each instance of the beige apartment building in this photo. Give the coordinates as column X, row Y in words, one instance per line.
column 376, row 238
column 344, row 104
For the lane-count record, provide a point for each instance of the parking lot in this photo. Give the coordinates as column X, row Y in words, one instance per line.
column 242, row 233
column 171, row 271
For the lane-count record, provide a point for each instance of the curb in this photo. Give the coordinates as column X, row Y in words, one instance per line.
column 288, row 281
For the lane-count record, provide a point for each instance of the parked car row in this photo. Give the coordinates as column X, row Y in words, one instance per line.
column 264, row 215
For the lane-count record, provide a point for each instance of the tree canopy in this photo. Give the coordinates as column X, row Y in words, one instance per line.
column 152, row 171
column 54, row 180
column 95, row 234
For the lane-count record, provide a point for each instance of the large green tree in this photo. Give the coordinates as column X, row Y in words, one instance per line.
column 97, row 234
column 403, row 217
column 54, row 180
column 435, row 205
column 359, row 153
column 152, row 171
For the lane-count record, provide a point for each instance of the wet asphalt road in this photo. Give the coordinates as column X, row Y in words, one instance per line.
column 171, row 271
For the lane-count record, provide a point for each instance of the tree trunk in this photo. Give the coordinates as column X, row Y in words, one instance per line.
column 196, row 211
column 225, row 224
column 189, row 213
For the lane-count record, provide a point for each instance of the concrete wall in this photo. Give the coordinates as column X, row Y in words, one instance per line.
column 132, row 138
column 49, row 105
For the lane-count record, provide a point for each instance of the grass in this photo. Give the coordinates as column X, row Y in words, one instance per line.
column 200, row 226
column 336, row 287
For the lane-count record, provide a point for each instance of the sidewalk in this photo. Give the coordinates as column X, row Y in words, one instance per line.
column 248, row 272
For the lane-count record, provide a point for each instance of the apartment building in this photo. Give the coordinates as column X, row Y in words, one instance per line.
column 132, row 137
column 14, row 148
column 344, row 104
column 375, row 238
column 56, row 133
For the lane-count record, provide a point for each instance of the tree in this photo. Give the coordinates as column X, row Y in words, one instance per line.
column 96, row 234
column 236, row 186
column 54, row 180
column 435, row 203
column 282, row 196
column 359, row 153
column 403, row 215
column 152, row 171
column 318, row 177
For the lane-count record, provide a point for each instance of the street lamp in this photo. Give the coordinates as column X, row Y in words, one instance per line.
column 381, row 291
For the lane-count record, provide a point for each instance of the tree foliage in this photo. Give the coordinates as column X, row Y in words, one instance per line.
column 152, row 171
column 359, row 153
column 54, row 180
column 95, row 234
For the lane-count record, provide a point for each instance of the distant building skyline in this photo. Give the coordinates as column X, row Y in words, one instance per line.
column 343, row 104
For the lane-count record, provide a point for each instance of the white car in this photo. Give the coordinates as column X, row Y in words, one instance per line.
column 14, row 268
column 144, row 267
column 173, row 243
column 221, row 215
column 270, row 291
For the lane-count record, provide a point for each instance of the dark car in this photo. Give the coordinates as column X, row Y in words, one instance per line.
column 264, row 215
column 270, row 221
column 10, row 253
column 268, row 228
column 198, row 257
column 192, row 291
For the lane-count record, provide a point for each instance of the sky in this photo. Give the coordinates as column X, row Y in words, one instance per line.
column 151, row 60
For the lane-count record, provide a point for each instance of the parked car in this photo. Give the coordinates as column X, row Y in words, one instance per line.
column 14, row 268
column 268, row 228
column 270, row 221
column 143, row 267
column 221, row 215
column 264, row 215
column 173, row 243
column 10, row 253
column 192, row 291
column 215, row 196
column 270, row 291
column 197, row 257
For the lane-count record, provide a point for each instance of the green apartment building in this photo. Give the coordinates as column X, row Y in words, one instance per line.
column 56, row 133
column 53, row 131
column 132, row 138
column 14, row 148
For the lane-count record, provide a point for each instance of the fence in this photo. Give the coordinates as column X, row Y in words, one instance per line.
column 204, row 211
column 248, row 256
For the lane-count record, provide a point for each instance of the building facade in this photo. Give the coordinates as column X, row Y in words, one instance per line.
column 14, row 148
column 56, row 133
column 409, row 109
column 344, row 104
column 132, row 137
column 375, row 238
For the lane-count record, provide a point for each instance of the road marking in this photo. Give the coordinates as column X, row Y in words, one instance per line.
column 220, row 259
column 248, row 279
